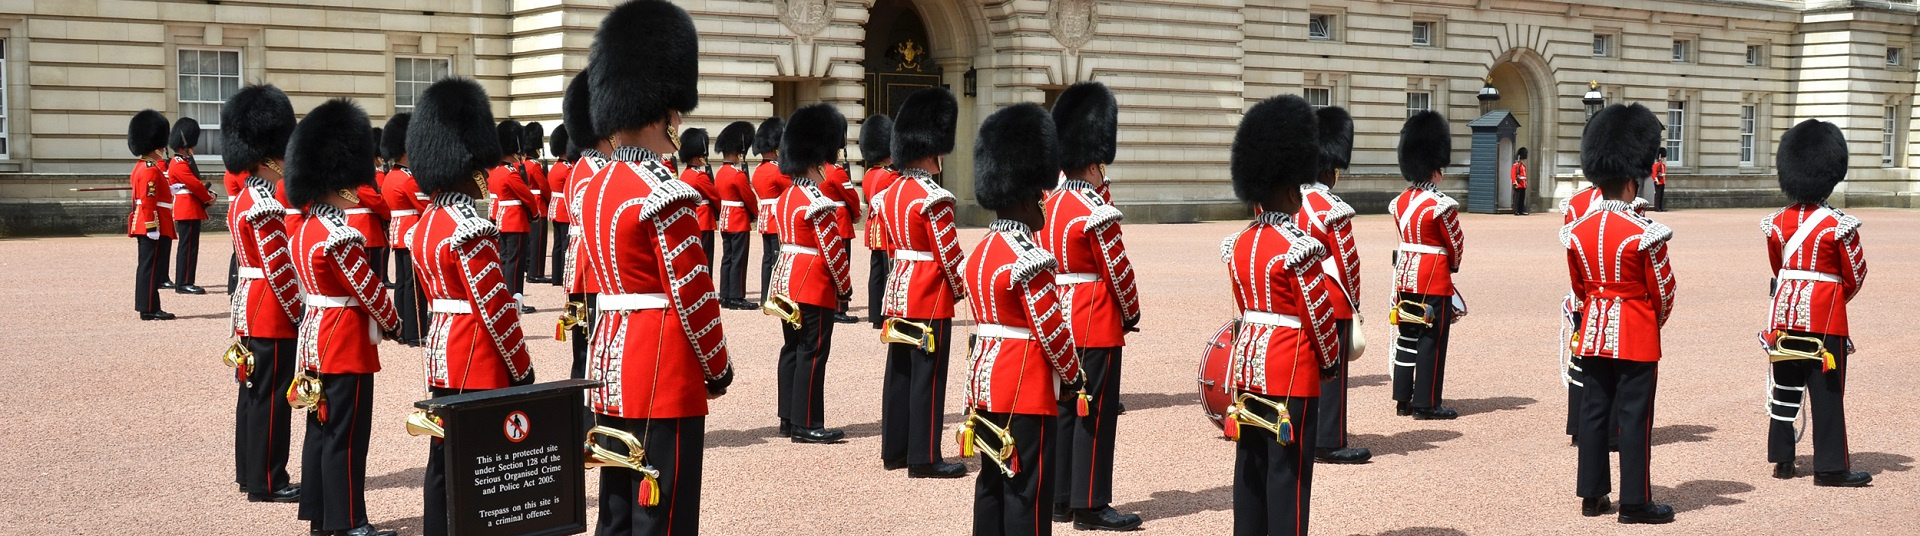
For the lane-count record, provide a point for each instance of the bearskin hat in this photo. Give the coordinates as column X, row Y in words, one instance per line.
column 557, row 145
column 1087, row 118
column 531, row 137
column 737, row 138
column 186, row 134
column 876, row 139
column 147, row 132
column 455, row 137
column 645, row 61
column 1426, row 146
column 814, row 136
column 1520, row 154
column 1277, row 146
column 1016, row 158
column 923, row 128
column 331, row 149
column 767, row 138
column 393, row 141
column 1663, row 152
column 509, row 136
column 254, row 126
column 693, row 144
column 376, row 137
column 1336, row 137
column 1620, row 144
column 1812, row 159
column 576, row 113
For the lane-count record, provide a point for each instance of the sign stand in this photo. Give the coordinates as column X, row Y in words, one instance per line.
column 515, row 459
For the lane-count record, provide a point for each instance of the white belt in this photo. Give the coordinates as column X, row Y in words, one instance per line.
column 315, row 300
column 733, row 204
column 1807, row 275
column 1003, row 332
column 248, row 272
column 911, row 255
column 839, row 204
column 422, row 197
column 536, row 192
column 293, row 212
column 791, row 248
column 1270, row 319
column 1075, row 278
column 1422, row 248
column 510, row 203
column 358, row 211
column 165, row 205
column 452, row 307
column 769, row 202
column 631, row 302
column 407, row 212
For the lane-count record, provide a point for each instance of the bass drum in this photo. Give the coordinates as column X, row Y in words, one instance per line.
column 1214, row 398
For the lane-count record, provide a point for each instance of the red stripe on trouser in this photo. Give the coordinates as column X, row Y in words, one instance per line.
column 1040, row 478
column 1299, row 474
column 358, row 388
column 1653, row 386
column 1093, row 453
column 933, row 411
column 673, row 496
column 819, row 344
column 272, row 422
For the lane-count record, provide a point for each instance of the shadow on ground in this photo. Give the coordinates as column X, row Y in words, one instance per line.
column 1176, row 503
column 770, row 434
column 1873, row 463
column 1144, row 401
column 406, row 527
column 1682, row 433
column 1476, row 406
column 1698, row 494
column 1404, row 442
column 405, row 478
column 1370, row 380
column 1424, row 531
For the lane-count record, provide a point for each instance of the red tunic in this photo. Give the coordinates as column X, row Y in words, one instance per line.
column 738, row 206
column 814, row 264
column 370, row 218
column 1818, row 267
column 839, row 188
column 191, row 203
column 513, row 202
column 768, row 184
column 535, row 174
column 579, row 278
column 709, row 196
column 1617, row 262
column 1518, row 174
column 234, row 182
column 267, row 298
column 1093, row 274
column 347, row 310
column 1430, row 240
column 1659, row 172
column 874, row 185
column 404, row 204
column 475, row 341
column 657, row 337
column 924, row 281
column 1285, row 334
column 1329, row 220
column 152, row 200
column 1024, row 350
column 558, row 178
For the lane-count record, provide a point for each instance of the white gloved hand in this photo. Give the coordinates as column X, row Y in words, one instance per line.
column 179, row 188
column 153, row 235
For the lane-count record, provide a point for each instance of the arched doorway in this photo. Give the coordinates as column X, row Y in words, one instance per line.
column 1526, row 87
column 899, row 56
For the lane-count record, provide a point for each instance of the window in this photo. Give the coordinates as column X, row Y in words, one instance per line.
column 1320, row 27
column 411, row 76
column 1682, row 51
column 1423, row 33
column 1676, row 132
column 1747, row 120
column 1889, row 135
column 5, row 136
column 1602, row 46
column 1418, row 101
column 1319, row 97
column 1894, row 56
column 1755, row 55
column 207, row 78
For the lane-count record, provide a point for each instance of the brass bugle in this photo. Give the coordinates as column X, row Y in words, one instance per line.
column 890, row 333
column 1404, row 313
column 1003, row 456
column 635, row 459
column 782, row 307
column 576, row 313
column 421, row 423
column 1817, row 349
column 1248, row 417
column 306, row 393
column 241, row 359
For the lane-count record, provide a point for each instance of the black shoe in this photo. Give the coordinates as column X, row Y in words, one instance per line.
column 156, row 315
column 289, row 494
column 1402, row 409
column 369, row 530
column 1842, row 479
column 1783, row 470
column 786, row 428
column 1346, row 456
column 166, row 285
column 937, row 470
column 539, row 280
column 818, row 435
column 390, row 286
column 189, row 289
column 1436, row 413
column 1062, row 513
column 1646, row 514
column 894, row 465
column 1119, row 408
column 844, row 319
column 524, row 309
column 1595, row 507
column 1104, row 518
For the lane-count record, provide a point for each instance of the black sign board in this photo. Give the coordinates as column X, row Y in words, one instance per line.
column 514, row 459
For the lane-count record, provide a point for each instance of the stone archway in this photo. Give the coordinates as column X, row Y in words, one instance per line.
column 957, row 40
column 1527, row 88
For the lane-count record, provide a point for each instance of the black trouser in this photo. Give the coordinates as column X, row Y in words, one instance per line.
column 186, row 261
column 409, row 297
column 1519, row 201
column 1632, row 384
column 1332, row 420
column 1576, row 398
column 1794, row 378
column 803, row 367
column 433, row 520
column 1004, row 505
column 149, row 273
column 1659, row 197
column 378, row 256
column 913, row 398
column 769, row 254
column 878, row 266
column 674, row 447
column 233, row 272
column 1083, row 446
column 333, row 461
column 1420, row 355
column 1273, row 483
column 513, row 258
column 535, row 255
column 581, row 338
column 265, row 423
column 733, row 266
column 706, row 244
column 559, row 253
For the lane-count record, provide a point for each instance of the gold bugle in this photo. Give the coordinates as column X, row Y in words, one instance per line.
column 636, row 459
column 1248, row 417
column 782, row 307
column 306, row 393
column 241, row 359
column 421, row 423
column 1003, row 456
column 890, row 333
column 574, row 314
column 1780, row 351
column 1402, row 312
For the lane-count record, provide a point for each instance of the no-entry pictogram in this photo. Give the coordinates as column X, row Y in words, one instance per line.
column 516, row 426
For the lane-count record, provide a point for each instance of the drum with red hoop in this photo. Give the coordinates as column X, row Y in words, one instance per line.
column 1214, row 398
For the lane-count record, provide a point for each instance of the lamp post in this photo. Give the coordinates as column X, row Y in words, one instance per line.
column 970, row 82
column 1488, row 95
column 1593, row 99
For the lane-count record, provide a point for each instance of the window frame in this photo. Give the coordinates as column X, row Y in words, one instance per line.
column 6, row 131
column 1307, row 93
column 1890, row 136
column 1433, row 33
column 1332, row 27
column 1749, row 132
column 1426, row 96
column 1756, row 55
column 417, row 84
column 1682, row 50
column 1896, row 57
column 1676, row 142
column 1606, row 43
column 208, row 149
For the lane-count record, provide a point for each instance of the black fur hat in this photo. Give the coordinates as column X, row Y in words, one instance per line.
column 736, row 138
column 376, row 137
column 393, row 141
column 1016, row 157
column 531, row 137
column 876, row 139
column 1087, row 118
column 509, row 136
column 1277, row 146
column 1663, row 152
column 186, row 134
column 557, row 145
column 1426, row 146
column 455, row 136
column 815, row 134
column 924, row 126
column 767, row 137
column 1812, row 159
column 1620, row 144
column 254, row 126
column 147, row 132
column 576, row 113
column 645, row 61
column 1520, row 154
column 1336, row 137
column 693, row 144
column 331, row 149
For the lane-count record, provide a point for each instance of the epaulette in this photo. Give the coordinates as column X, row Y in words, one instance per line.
column 1566, row 232
column 469, row 225
column 1444, row 202
column 1566, row 205
column 340, row 235
column 1226, row 247
column 1100, row 214
column 1654, row 233
column 817, row 202
column 1640, row 204
column 935, row 195
column 1767, row 228
column 1340, row 212
column 264, row 206
column 1031, row 258
column 1844, row 224
column 1301, row 248
column 666, row 190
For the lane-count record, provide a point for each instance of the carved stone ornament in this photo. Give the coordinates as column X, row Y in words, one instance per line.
column 805, row 17
column 1072, row 22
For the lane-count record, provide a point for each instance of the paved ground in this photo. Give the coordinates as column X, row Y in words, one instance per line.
column 116, row 426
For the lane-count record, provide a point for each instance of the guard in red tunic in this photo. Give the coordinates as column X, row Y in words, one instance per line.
column 1573, row 208
column 513, row 208
column 1518, row 174
column 254, row 126
column 347, row 315
column 1022, row 359
column 532, row 139
column 1425, row 302
column 1819, row 266
column 1284, row 342
column 151, row 222
column 476, row 341
column 370, row 217
column 1096, row 285
column 838, row 187
column 876, row 135
column 657, row 339
column 813, row 273
column 768, row 185
column 693, row 154
column 1624, row 289
column 1660, row 182
column 738, row 207
column 1329, row 220
column 190, row 201
column 557, row 211
column 233, row 183
column 405, row 202
column 587, row 160
column 923, row 285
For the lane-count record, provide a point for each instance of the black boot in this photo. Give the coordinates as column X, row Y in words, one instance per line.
column 1062, row 513
column 1436, row 413
column 894, row 465
column 1646, row 514
column 1346, row 456
column 937, row 470
column 1402, row 409
column 1842, row 479
column 1595, row 507
column 369, row 530
column 843, row 318
column 1783, row 470
column 156, row 315
column 818, row 435
column 1104, row 518
column 786, row 428
column 289, row 494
